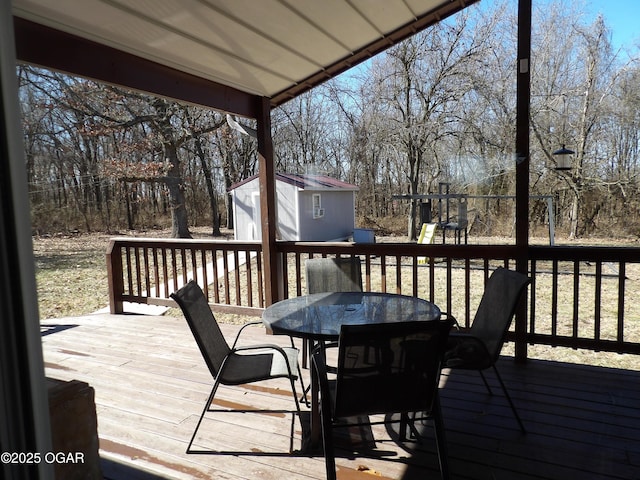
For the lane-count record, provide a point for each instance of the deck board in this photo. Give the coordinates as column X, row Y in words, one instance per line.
column 583, row 422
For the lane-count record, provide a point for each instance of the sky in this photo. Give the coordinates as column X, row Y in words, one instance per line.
column 621, row 16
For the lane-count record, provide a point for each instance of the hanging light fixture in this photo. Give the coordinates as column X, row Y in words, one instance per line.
column 563, row 155
column 564, row 160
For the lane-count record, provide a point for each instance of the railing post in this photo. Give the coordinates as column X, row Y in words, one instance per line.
column 523, row 95
column 273, row 281
column 115, row 277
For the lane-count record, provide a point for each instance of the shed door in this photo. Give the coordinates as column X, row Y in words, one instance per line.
column 254, row 226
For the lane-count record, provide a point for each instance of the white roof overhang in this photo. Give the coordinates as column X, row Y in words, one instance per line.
column 220, row 53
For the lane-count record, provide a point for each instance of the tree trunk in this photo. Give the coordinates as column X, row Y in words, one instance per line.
column 179, row 218
column 213, row 198
column 573, row 215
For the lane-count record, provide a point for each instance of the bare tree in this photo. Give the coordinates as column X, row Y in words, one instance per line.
column 573, row 80
column 422, row 82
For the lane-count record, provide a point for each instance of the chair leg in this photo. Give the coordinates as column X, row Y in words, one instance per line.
column 441, row 441
column 305, row 352
column 295, row 398
column 327, row 441
column 204, row 411
column 506, row 394
column 304, row 389
column 304, row 397
column 295, row 394
column 486, row 384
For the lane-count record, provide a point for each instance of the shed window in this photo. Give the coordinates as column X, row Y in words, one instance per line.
column 318, row 211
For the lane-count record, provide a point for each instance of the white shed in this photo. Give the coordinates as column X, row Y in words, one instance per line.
column 309, row 208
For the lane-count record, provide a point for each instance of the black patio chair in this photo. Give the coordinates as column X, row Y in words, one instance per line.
column 384, row 368
column 343, row 274
column 479, row 348
column 232, row 365
column 334, row 274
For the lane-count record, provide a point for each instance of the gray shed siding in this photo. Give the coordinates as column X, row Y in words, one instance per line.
column 338, row 220
column 295, row 212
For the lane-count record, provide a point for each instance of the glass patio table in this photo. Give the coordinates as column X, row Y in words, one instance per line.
column 319, row 316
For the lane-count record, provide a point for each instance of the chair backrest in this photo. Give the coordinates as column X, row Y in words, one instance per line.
column 334, row 275
column 497, row 308
column 389, row 367
column 213, row 346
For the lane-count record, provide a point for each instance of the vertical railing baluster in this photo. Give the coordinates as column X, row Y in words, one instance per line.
column 225, row 264
column 183, row 263
column 136, row 257
column 249, row 274
column 467, row 292
column 174, row 269
column 449, row 283
column 398, row 274
column 129, row 269
column 597, row 302
column 554, row 298
column 576, row 300
column 147, row 270
column 194, row 265
column 297, row 274
column 532, row 297
column 165, row 273
column 622, row 277
column 260, row 279
column 367, row 273
column 216, row 275
column 205, row 275
column 236, row 275
column 414, row 276
column 156, row 272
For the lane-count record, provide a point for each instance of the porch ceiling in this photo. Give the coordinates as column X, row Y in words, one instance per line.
column 267, row 48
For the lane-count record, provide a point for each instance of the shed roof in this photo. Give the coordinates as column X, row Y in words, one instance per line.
column 305, row 182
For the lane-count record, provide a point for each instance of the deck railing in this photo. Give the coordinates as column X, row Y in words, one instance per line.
column 580, row 297
column 149, row 270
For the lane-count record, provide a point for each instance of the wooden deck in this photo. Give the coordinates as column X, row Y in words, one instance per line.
column 151, row 384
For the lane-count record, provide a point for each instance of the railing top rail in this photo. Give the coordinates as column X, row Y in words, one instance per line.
column 189, row 242
column 560, row 253
column 409, row 249
column 585, row 253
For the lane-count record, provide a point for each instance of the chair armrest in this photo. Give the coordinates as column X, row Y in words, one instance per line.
column 268, row 346
column 256, row 322
column 466, row 351
column 322, row 346
column 447, row 316
column 261, row 346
